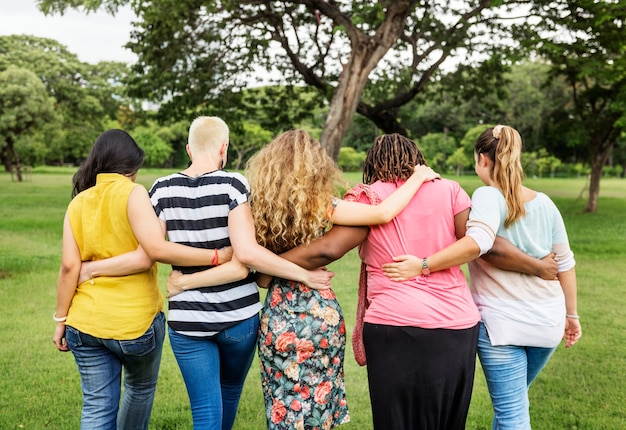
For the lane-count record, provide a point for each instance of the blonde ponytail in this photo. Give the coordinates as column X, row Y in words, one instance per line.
column 503, row 145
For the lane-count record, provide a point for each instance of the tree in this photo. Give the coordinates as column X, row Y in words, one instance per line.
column 24, row 106
column 362, row 56
column 248, row 141
column 458, row 160
column 585, row 41
column 437, row 147
column 157, row 151
column 85, row 95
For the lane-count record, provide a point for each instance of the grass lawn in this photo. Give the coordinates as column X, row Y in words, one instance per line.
column 581, row 388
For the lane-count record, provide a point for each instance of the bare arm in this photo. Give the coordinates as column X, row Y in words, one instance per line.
column 230, row 271
column 506, row 256
column 133, row 262
column 124, row 264
column 573, row 330
column 503, row 255
column 149, row 233
column 328, row 248
column 320, row 252
column 67, row 282
column 250, row 253
column 354, row 213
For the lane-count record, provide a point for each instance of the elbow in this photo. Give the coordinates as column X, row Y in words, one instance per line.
column 154, row 253
column 385, row 217
column 241, row 272
column 245, row 258
column 331, row 254
column 146, row 262
column 69, row 271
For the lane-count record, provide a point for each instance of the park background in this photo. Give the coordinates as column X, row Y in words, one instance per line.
column 582, row 388
column 346, row 71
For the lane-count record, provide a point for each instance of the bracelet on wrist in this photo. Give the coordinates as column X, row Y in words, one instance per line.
column 62, row 319
column 574, row 317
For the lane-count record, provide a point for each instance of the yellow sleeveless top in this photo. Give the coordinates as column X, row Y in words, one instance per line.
column 121, row 307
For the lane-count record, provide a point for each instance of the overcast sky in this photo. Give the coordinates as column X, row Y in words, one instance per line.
column 94, row 37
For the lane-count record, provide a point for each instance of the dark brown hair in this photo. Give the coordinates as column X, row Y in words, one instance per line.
column 114, row 151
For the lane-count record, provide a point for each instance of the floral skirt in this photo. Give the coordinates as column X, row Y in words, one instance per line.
column 301, row 349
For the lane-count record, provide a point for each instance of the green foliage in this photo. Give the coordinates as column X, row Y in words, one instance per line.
column 157, row 151
column 253, row 138
column 437, row 147
column 351, row 160
column 470, row 138
column 24, row 106
column 370, row 58
column 458, row 160
column 85, row 95
column 590, row 59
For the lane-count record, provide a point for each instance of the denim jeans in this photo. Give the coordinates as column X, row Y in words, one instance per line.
column 509, row 371
column 100, row 363
column 214, row 370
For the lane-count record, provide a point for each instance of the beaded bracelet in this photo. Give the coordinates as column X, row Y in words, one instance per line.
column 574, row 317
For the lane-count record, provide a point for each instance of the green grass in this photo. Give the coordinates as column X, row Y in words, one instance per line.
column 581, row 388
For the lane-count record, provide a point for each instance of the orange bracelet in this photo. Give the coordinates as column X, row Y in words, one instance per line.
column 216, row 259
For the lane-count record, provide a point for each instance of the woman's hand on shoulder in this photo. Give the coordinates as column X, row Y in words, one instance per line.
column 425, row 173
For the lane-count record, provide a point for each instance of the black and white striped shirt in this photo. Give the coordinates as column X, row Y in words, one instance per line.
column 195, row 211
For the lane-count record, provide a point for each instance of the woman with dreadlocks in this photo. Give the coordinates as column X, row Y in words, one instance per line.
column 419, row 335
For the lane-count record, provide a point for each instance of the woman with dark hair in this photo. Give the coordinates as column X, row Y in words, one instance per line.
column 419, row 335
column 114, row 323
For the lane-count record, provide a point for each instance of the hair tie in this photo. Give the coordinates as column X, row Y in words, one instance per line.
column 496, row 131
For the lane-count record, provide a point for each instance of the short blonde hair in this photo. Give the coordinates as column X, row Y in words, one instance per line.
column 207, row 133
column 293, row 181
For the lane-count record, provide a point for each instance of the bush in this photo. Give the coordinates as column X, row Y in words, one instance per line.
column 350, row 160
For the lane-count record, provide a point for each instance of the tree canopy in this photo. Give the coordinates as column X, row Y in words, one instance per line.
column 585, row 42
column 85, row 95
column 24, row 105
column 365, row 57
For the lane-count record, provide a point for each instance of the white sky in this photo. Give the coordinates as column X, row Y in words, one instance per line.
column 92, row 37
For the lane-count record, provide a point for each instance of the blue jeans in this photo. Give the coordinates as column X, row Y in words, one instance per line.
column 509, row 371
column 100, row 363
column 214, row 370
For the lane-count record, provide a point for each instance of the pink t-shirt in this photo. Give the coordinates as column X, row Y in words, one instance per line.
column 426, row 225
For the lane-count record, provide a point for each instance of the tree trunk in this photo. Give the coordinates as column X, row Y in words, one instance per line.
column 344, row 102
column 366, row 52
column 11, row 152
column 598, row 161
column 6, row 159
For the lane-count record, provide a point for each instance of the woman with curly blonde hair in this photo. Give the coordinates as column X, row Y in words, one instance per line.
column 302, row 336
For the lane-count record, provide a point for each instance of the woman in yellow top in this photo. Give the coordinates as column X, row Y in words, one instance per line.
column 112, row 323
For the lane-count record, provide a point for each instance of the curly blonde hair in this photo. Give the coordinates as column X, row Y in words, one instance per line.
column 293, row 181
